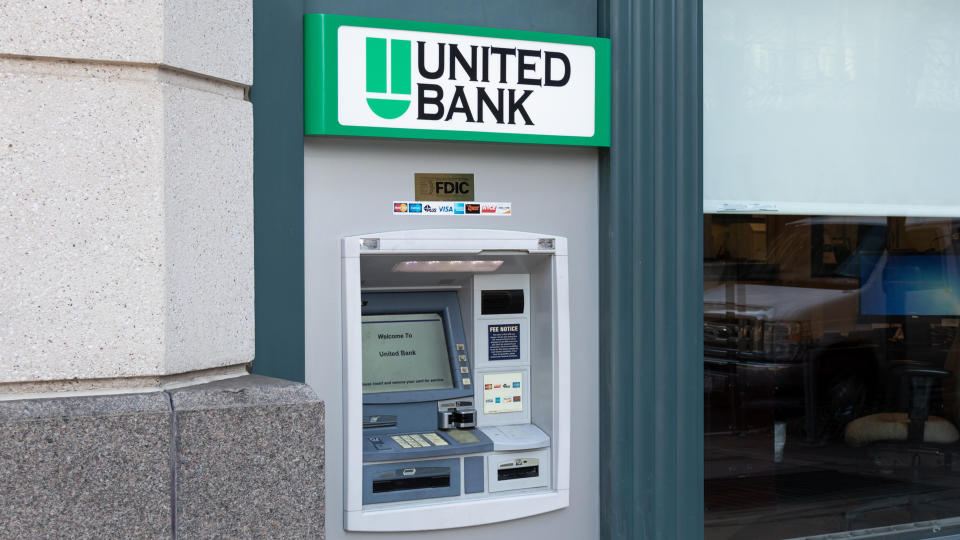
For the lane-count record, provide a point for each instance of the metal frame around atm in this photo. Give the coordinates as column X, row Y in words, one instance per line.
column 458, row 513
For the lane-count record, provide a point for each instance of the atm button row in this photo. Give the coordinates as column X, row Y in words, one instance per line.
column 418, row 441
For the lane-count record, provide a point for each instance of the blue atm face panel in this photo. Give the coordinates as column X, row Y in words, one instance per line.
column 417, row 397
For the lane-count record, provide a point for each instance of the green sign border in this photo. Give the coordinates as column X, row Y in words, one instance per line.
column 320, row 81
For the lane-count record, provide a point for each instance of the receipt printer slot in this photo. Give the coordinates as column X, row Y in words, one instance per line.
column 526, row 471
column 518, row 470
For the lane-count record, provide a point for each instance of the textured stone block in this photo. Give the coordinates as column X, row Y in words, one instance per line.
column 92, row 467
column 213, row 38
column 107, row 30
column 249, row 460
column 210, row 37
column 81, row 221
column 126, row 222
column 208, row 201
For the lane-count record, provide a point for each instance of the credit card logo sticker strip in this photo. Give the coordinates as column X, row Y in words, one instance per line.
column 444, row 208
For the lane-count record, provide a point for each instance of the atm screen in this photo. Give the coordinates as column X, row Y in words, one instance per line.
column 404, row 352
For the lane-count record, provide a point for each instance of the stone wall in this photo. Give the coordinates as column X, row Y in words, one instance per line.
column 238, row 458
column 126, row 203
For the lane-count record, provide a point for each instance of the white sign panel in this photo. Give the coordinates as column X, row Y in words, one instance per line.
column 467, row 83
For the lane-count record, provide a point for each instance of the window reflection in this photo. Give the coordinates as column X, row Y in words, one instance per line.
column 830, row 348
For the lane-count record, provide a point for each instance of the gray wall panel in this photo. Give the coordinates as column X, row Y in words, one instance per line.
column 350, row 187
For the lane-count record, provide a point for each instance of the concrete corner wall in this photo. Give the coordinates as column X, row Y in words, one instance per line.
column 126, row 206
column 239, row 458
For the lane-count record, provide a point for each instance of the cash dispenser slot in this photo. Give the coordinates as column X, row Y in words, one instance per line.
column 413, row 478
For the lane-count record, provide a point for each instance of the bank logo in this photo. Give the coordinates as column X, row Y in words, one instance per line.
column 392, row 79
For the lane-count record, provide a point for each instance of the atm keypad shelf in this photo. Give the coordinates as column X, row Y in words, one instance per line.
column 388, row 444
column 386, row 447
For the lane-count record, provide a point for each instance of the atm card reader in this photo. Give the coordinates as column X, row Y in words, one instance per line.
column 456, row 415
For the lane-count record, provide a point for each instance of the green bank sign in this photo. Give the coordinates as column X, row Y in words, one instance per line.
column 389, row 78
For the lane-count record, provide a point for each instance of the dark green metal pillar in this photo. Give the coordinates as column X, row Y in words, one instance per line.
column 651, row 352
column 277, row 96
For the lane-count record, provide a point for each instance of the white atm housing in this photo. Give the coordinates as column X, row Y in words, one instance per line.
column 402, row 474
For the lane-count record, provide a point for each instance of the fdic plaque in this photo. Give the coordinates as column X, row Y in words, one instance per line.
column 443, row 187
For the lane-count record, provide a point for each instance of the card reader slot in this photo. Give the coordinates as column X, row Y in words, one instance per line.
column 434, row 477
column 531, row 471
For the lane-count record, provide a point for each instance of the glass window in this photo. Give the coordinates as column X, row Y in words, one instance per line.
column 831, row 356
column 831, row 107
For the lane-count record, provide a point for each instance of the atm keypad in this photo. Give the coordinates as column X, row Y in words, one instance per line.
column 435, row 439
column 416, row 440
column 419, row 440
column 400, row 440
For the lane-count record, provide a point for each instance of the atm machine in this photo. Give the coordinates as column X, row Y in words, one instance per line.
column 456, row 378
